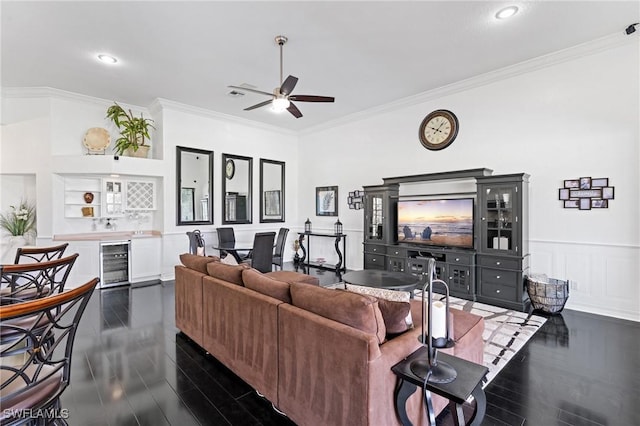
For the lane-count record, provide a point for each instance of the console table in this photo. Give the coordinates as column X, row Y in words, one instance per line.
column 341, row 265
column 468, row 382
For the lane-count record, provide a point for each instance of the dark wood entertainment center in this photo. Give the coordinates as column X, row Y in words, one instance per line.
column 494, row 270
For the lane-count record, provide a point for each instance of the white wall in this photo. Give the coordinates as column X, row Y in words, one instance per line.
column 563, row 121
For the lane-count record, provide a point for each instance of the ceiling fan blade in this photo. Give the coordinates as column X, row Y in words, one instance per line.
column 261, row 104
column 312, row 98
column 288, row 85
column 294, row 110
column 251, row 90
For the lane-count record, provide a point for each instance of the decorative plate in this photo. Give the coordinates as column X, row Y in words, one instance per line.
column 96, row 139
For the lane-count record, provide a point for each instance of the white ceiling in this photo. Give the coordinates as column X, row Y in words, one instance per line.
column 365, row 54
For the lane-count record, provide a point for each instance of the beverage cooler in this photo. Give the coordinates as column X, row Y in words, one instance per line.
column 115, row 263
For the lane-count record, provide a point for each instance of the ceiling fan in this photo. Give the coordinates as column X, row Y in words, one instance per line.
column 281, row 98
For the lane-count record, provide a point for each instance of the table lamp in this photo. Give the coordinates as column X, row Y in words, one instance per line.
column 435, row 335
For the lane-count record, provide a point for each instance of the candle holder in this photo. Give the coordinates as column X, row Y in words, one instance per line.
column 431, row 369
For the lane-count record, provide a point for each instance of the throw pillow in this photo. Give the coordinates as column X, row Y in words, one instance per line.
column 394, row 305
column 197, row 263
column 229, row 273
column 257, row 281
column 229, row 260
column 356, row 310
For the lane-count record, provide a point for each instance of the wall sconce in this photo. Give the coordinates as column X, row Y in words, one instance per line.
column 307, row 226
column 337, row 227
column 436, row 336
column 354, row 200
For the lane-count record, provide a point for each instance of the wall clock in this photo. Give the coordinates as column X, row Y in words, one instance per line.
column 438, row 129
column 230, row 169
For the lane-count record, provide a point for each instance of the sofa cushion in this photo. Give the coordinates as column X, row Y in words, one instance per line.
column 293, row 277
column 232, row 274
column 356, row 310
column 197, row 263
column 394, row 305
column 256, row 280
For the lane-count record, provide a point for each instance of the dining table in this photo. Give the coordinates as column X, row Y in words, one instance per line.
column 234, row 248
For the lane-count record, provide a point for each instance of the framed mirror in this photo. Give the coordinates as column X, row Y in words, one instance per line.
column 194, row 182
column 237, row 178
column 271, row 191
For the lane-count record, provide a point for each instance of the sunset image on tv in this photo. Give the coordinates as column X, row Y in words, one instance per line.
column 446, row 223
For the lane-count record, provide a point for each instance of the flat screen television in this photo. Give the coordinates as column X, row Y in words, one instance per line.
column 436, row 222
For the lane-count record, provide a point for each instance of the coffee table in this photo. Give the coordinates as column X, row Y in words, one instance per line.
column 376, row 278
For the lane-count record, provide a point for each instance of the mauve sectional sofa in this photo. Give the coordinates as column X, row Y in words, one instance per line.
column 319, row 355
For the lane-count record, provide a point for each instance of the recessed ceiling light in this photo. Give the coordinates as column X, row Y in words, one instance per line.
column 107, row 59
column 507, row 12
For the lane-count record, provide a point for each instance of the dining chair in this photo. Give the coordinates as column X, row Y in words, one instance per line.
column 262, row 253
column 27, row 281
column 226, row 235
column 196, row 242
column 39, row 254
column 36, row 347
column 278, row 253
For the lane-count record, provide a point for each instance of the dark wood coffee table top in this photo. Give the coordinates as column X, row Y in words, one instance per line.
column 382, row 279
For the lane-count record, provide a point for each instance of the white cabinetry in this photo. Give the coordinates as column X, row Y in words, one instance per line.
column 87, row 265
column 141, row 194
column 145, row 259
column 113, row 197
column 74, row 197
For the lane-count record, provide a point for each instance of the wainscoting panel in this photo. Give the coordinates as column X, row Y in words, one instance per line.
column 604, row 277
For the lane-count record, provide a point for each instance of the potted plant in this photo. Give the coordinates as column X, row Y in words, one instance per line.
column 133, row 131
column 20, row 225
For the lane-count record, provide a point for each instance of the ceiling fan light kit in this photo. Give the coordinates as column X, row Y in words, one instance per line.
column 281, row 98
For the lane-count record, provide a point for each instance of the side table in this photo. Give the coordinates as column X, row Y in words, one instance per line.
column 468, row 382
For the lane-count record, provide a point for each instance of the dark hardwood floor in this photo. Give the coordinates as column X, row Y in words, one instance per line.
column 131, row 366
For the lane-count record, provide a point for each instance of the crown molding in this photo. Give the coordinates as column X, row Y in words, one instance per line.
column 161, row 103
column 544, row 61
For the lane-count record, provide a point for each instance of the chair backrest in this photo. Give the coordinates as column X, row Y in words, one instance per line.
column 36, row 345
column 39, row 254
column 226, row 235
column 28, row 281
column 280, row 242
column 262, row 253
column 196, row 242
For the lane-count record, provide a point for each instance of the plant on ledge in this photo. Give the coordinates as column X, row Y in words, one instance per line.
column 133, row 130
column 20, row 221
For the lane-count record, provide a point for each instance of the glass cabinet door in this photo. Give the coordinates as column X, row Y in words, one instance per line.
column 113, row 198
column 375, row 216
column 499, row 219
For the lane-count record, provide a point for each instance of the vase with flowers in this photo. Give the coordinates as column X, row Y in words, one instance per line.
column 20, row 225
column 296, row 247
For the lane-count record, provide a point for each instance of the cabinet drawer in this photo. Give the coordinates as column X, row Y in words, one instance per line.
column 374, row 261
column 499, row 277
column 498, row 291
column 397, row 251
column 375, row 248
column 500, row 262
column 459, row 259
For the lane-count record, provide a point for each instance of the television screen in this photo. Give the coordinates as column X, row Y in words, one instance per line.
column 441, row 222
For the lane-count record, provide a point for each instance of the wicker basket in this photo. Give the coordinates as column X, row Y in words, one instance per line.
column 547, row 294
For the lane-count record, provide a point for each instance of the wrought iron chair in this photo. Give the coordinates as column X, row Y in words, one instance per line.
column 36, row 345
column 262, row 253
column 196, row 242
column 39, row 254
column 279, row 250
column 27, row 281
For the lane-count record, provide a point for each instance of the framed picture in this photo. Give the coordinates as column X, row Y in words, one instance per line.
column 563, row 194
column 599, row 183
column 571, row 204
column 572, row 183
column 327, row 201
column 585, row 193
column 607, row 193
column 272, row 203
column 599, row 204
column 585, row 203
column 585, row 183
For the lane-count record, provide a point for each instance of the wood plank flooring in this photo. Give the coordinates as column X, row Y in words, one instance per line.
column 131, row 366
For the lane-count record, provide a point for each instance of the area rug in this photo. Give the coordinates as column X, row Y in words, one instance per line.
column 505, row 331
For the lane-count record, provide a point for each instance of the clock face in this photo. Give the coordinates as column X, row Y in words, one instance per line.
column 438, row 130
column 230, row 169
